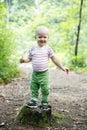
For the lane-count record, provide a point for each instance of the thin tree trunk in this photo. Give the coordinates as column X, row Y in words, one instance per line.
column 79, row 27
column 8, row 10
column 37, row 4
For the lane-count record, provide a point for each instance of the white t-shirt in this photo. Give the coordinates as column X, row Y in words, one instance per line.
column 40, row 57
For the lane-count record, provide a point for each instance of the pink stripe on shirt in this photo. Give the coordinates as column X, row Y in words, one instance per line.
column 40, row 57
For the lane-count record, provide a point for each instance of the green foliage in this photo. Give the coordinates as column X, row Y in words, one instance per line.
column 79, row 62
column 2, row 14
column 8, row 65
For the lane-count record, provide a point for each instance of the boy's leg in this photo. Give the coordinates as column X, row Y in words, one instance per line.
column 45, row 92
column 34, row 87
column 45, row 87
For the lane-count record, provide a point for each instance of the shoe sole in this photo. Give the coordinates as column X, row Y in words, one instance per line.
column 31, row 106
column 45, row 109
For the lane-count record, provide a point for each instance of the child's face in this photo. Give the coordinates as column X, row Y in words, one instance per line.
column 41, row 39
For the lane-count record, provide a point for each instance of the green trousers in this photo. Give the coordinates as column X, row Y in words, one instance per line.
column 40, row 80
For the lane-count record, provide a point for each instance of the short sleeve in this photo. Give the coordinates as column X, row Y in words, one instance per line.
column 50, row 52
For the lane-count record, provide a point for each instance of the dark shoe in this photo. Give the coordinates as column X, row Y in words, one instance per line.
column 44, row 106
column 32, row 104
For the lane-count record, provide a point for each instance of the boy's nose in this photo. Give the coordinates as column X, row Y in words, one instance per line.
column 42, row 38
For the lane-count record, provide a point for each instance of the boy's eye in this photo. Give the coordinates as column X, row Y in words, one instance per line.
column 41, row 37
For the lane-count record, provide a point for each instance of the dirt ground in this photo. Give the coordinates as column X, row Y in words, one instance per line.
column 68, row 95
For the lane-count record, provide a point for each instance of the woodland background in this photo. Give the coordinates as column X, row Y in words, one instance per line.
column 67, row 24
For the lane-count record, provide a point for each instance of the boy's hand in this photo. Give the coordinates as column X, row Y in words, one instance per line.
column 22, row 60
column 25, row 60
column 66, row 70
column 57, row 62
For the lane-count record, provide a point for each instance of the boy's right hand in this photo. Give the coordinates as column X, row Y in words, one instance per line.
column 22, row 60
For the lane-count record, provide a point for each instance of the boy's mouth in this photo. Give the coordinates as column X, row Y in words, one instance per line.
column 42, row 42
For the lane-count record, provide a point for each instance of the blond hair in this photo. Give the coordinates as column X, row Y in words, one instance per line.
column 41, row 30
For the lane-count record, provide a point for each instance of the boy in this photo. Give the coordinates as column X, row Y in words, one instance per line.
column 39, row 56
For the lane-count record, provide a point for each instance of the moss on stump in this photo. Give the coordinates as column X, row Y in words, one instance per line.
column 35, row 117
column 40, row 118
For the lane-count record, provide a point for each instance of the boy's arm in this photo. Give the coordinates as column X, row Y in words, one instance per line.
column 57, row 62
column 25, row 60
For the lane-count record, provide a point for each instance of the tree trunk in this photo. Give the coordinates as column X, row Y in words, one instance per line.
column 8, row 10
column 37, row 5
column 78, row 29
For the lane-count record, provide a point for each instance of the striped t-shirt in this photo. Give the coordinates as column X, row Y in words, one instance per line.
column 40, row 57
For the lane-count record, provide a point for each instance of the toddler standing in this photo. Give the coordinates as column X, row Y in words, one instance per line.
column 39, row 56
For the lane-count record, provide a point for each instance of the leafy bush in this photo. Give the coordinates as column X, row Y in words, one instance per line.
column 78, row 61
column 8, row 65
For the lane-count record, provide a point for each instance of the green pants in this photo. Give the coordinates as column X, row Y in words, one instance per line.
column 40, row 80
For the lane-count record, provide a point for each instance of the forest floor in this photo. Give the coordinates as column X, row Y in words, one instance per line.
column 68, row 96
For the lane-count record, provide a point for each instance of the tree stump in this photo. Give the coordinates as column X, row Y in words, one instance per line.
column 37, row 117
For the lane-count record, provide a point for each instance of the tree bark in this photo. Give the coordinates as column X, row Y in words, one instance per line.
column 78, row 29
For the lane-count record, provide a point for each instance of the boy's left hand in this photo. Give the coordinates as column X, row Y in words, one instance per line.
column 66, row 70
